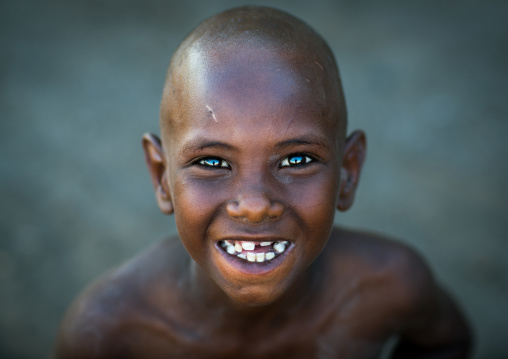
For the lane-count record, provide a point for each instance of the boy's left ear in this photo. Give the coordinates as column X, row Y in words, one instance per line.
column 352, row 162
column 154, row 157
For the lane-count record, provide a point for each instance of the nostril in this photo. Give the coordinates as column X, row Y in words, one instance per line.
column 254, row 208
column 276, row 209
column 233, row 209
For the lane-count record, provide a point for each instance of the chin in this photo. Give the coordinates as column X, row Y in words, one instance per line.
column 254, row 298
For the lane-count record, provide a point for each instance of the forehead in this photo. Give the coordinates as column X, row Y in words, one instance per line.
column 251, row 85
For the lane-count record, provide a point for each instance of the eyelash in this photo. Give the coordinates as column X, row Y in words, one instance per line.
column 295, row 160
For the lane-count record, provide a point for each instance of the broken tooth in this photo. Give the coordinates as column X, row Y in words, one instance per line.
column 248, row 246
column 260, row 257
column 269, row 255
column 223, row 244
column 231, row 249
column 279, row 247
column 228, row 243
column 242, row 255
column 251, row 257
column 285, row 242
column 238, row 247
column 264, row 244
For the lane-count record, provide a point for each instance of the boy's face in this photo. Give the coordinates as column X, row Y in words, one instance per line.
column 252, row 155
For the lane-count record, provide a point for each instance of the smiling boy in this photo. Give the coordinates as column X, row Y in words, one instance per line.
column 254, row 162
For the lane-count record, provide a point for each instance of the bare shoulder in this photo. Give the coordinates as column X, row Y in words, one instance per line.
column 394, row 273
column 392, row 283
column 377, row 254
column 121, row 305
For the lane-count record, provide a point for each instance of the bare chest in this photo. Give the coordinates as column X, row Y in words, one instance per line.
column 304, row 338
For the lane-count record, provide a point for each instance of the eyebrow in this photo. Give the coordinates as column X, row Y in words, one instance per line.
column 201, row 144
column 305, row 140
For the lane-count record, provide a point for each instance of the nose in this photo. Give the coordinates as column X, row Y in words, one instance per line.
column 254, row 207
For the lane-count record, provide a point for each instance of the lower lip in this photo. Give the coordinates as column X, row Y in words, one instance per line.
column 253, row 268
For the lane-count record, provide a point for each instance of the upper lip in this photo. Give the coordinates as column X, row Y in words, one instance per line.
column 254, row 238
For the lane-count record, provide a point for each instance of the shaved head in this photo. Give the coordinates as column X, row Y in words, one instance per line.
column 232, row 45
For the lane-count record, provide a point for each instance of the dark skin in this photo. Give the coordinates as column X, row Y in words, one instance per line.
column 253, row 151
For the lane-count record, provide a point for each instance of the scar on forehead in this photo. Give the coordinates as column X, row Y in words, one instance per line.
column 210, row 112
column 319, row 65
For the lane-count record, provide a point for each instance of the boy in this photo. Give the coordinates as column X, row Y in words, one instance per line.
column 254, row 161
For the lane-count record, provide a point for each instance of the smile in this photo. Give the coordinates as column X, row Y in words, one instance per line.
column 254, row 251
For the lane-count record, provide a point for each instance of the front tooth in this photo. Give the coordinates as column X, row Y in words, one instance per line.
column 231, row 250
column 269, row 255
column 238, row 247
column 264, row 244
column 248, row 246
column 260, row 257
column 279, row 247
column 242, row 255
column 251, row 257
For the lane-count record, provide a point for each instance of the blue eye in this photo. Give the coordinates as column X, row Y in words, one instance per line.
column 295, row 161
column 213, row 162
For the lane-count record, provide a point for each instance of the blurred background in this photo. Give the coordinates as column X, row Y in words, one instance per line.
column 81, row 82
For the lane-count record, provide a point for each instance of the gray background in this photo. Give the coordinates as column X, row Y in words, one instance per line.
column 81, row 82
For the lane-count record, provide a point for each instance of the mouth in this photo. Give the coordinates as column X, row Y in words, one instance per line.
column 254, row 251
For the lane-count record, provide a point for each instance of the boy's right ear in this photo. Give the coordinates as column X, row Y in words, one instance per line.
column 154, row 157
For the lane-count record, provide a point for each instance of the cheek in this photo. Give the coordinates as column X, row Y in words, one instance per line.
column 196, row 195
column 195, row 205
column 314, row 204
column 316, row 200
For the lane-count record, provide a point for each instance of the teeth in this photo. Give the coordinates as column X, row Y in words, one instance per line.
column 248, row 246
column 231, row 249
column 279, row 247
column 236, row 248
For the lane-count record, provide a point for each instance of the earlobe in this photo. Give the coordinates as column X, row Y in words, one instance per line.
column 352, row 162
column 155, row 161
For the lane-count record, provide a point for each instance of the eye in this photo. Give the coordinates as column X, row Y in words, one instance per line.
column 214, row 162
column 296, row 160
